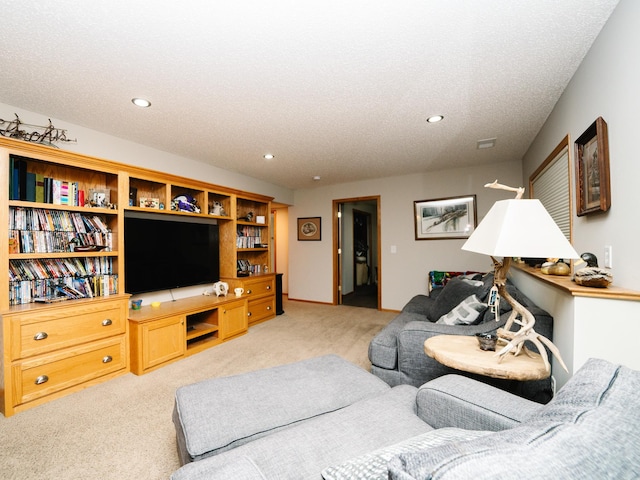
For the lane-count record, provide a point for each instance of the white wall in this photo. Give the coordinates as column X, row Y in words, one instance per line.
column 403, row 274
column 97, row 144
column 606, row 85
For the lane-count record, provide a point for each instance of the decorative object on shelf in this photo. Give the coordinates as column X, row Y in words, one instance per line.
column 221, row 289
column 48, row 135
column 99, row 198
column 247, row 218
column 261, row 219
column 155, row 304
column 136, row 304
column 217, row 209
column 309, row 228
column 555, row 267
column 592, row 275
column 150, row 203
column 445, row 218
column 185, row 203
column 133, row 196
column 592, row 169
column 519, row 228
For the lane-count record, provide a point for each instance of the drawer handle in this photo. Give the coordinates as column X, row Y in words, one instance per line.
column 269, row 307
column 107, row 359
column 268, row 287
column 106, row 322
column 248, row 314
column 248, row 292
column 40, row 336
column 42, row 379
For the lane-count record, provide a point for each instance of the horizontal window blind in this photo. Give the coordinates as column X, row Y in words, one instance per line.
column 551, row 187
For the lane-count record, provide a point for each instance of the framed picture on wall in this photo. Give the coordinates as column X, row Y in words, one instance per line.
column 445, row 218
column 309, row 228
column 592, row 169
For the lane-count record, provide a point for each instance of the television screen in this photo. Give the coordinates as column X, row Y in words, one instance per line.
column 164, row 252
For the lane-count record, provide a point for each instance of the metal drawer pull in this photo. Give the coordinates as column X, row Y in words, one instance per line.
column 107, row 359
column 42, row 379
column 106, row 322
column 268, row 287
column 40, row 336
column 269, row 307
column 249, row 314
column 248, row 292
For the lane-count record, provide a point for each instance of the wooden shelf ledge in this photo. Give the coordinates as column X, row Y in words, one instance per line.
column 566, row 284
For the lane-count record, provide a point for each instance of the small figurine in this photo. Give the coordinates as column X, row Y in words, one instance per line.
column 592, row 275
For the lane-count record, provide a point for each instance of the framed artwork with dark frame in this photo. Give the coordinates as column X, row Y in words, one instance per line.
column 445, row 218
column 309, row 228
column 592, row 169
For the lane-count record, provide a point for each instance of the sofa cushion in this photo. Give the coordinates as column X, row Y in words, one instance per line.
column 373, row 465
column 467, row 312
column 307, row 448
column 454, row 292
column 591, row 429
column 218, row 414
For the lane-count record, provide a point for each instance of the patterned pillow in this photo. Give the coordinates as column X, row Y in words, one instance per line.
column 373, row 465
column 467, row 312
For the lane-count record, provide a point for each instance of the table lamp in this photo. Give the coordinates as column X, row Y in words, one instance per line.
column 519, row 228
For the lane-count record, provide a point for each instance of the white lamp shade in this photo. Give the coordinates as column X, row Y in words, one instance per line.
column 519, row 228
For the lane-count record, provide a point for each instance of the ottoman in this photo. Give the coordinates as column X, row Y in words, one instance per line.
column 219, row 414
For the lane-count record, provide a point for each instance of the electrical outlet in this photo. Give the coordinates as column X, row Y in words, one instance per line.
column 608, row 256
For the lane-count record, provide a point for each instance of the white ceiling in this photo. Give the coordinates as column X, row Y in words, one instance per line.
column 336, row 88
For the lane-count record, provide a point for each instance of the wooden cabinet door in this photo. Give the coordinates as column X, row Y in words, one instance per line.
column 233, row 319
column 162, row 340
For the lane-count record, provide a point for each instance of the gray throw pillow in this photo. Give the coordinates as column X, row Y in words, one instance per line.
column 467, row 312
column 454, row 292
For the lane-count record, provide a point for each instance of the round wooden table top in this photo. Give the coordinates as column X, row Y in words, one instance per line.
column 463, row 353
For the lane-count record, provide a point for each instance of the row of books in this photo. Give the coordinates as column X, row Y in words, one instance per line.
column 54, row 290
column 21, row 218
column 47, row 268
column 28, row 241
column 35, row 187
column 249, row 231
column 248, row 242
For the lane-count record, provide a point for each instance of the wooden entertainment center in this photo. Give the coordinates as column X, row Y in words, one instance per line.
column 50, row 347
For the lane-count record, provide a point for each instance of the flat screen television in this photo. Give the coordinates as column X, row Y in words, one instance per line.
column 164, row 252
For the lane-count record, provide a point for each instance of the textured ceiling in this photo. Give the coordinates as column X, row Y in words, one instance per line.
column 339, row 89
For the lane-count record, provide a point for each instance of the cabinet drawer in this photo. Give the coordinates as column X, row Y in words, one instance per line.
column 260, row 287
column 61, row 328
column 52, row 373
column 261, row 309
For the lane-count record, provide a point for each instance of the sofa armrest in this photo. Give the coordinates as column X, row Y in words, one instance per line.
column 458, row 401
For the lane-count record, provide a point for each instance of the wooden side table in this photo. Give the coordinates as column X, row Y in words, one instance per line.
column 463, row 353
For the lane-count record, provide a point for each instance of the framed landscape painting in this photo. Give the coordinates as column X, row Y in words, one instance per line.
column 445, row 218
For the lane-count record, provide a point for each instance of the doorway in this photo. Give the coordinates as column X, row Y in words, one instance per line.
column 357, row 252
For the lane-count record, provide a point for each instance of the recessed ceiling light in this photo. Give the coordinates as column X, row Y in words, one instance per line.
column 141, row 102
column 269, row 156
column 486, row 143
column 316, row 178
column 435, row 118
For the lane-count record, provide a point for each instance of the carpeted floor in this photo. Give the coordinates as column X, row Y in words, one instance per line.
column 122, row 429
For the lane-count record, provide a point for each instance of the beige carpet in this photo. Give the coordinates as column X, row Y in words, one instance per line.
column 122, row 429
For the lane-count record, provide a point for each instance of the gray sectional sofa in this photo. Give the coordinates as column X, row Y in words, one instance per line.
column 299, row 421
column 397, row 353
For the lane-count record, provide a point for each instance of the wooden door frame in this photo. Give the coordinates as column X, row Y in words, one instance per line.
column 336, row 256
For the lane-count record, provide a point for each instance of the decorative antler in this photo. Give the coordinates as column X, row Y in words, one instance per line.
column 519, row 190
